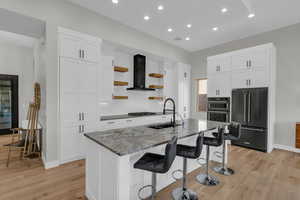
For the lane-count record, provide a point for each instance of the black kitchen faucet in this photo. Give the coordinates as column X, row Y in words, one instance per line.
column 174, row 110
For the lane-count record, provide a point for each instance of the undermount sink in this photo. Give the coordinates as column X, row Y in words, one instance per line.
column 162, row 126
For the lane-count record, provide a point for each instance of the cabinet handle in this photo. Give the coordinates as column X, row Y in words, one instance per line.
column 247, row 64
column 250, row 63
column 110, row 122
column 82, row 128
column 79, row 53
column 82, row 116
column 79, row 116
column 79, row 131
column 83, row 54
column 249, row 81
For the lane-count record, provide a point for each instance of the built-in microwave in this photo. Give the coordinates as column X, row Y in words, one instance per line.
column 222, row 104
column 218, row 109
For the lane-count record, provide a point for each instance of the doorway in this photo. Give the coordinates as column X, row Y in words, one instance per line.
column 9, row 103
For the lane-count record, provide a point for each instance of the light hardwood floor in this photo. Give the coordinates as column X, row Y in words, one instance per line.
column 259, row 176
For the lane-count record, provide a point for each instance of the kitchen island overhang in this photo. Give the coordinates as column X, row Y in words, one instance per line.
column 110, row 156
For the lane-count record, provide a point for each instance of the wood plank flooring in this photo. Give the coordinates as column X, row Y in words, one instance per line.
column 259, row 176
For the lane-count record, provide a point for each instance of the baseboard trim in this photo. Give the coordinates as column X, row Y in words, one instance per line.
column 51, row 164
column 287, row 148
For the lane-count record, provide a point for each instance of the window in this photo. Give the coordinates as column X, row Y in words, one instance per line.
column 202, row 95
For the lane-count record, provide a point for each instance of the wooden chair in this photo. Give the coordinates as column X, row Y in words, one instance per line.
column 24, row 139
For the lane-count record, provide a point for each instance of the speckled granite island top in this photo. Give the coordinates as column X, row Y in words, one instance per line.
column 134, row 139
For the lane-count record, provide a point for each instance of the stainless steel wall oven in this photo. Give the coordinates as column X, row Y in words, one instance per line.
column 218, row 109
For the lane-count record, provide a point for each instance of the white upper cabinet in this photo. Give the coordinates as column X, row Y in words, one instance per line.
column 219, row 85
column 250, row 59
column 70, row 46
column 218, row 64
column 90, row 50
column 247, row 68
column 79, row 46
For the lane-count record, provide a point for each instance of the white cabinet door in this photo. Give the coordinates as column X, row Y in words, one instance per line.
column 70, row 46
column 170, row 81
column 70, row 143
column 240, row 79
column 259, row 59
column 105, row 79
column 91, row 50
column 259, row 78
column 219, row 85
column 88, row 104
column 88, row 77
column 218, row 65
column 69, row 75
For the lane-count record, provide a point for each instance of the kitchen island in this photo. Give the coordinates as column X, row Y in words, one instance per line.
column 110, row 156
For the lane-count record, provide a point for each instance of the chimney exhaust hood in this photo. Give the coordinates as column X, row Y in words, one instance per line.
column 139, row 75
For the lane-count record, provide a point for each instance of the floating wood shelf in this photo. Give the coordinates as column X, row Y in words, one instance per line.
column 156, row 98
column 120, row 97
column 120, row 83
column 120, row 69
column 156, row 86
column 155, row 75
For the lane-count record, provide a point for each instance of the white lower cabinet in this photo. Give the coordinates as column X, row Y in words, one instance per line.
column 138, row 121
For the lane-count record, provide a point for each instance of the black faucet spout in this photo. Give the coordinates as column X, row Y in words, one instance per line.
column 174, row 110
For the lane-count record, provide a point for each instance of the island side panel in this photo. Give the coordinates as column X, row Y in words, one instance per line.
column 108, row 175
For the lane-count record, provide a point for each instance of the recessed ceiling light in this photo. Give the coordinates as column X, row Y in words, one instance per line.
column 115, row 1
column 189, row 25
column 187, row 38
column 160, row 7
column 146, row 17
column 251, row 15
column 170, row 30
column 224, row 10
column 215, row 28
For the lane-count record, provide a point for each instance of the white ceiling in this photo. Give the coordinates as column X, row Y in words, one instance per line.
column 203, row 15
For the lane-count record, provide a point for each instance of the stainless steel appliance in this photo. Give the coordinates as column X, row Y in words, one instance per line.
column 250, row 109
column 218, row 109
column 9, row 114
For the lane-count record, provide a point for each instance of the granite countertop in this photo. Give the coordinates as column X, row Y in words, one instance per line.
column 126, row 116
column 134, row 139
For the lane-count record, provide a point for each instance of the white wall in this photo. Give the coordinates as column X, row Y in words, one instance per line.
column 287, row 42
column 59, row 13
column 18, row 60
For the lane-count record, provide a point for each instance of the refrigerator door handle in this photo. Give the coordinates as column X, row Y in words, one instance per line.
column 253, row 129
column 245, row 104
column 249, row 107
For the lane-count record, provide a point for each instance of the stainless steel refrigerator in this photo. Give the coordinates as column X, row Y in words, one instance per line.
column 250, row 108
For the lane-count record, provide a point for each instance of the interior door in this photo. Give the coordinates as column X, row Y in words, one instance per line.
column 239, row 106
column 258, row 107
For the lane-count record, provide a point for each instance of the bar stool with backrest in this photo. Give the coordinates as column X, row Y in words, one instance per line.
column 206, row 178
column 191, row 152
column 157, row 163
column 234, row 133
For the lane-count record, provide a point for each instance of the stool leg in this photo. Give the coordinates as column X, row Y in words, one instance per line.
column 223, row 168
column 207, row 179
column 183, row 193
column 153, row 186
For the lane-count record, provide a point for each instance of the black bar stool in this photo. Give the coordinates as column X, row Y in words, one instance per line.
column 192, row 152
column 157, row 163
column 207, row 179
column 234, row 133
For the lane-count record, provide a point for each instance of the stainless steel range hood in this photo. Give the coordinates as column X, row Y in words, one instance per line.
column 139, row 75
